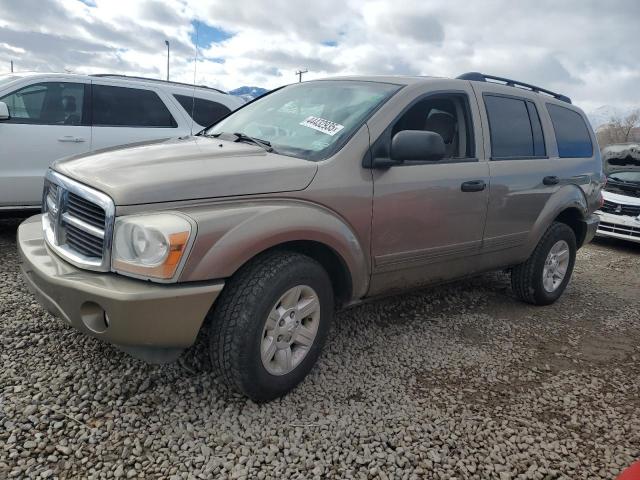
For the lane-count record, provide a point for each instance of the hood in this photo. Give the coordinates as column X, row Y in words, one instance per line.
column 187, row 168
column 621, row 158
column 624, row 156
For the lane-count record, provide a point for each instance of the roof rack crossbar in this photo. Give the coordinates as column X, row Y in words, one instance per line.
column 132, row 77
column 481, row 77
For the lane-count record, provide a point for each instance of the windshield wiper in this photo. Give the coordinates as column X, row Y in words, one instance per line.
column 264, row 144
column 257, row 141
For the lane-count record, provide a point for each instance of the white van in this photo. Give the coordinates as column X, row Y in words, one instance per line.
column 47, row 116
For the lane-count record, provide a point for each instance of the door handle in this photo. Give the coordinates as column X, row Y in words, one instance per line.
column 473, row 186
column 551, row 180
column 71, row 139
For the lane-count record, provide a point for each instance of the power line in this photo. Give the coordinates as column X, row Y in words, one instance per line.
column 299, row 73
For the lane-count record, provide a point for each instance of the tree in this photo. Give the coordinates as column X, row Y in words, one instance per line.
column 620, row 130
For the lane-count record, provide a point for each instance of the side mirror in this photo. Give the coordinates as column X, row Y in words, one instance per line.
column 4, row 111
column 417, row 145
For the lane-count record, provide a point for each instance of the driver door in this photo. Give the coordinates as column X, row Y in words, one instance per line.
column 429, row 216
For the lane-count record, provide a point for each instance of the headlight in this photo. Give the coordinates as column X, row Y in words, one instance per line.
column 150, row 245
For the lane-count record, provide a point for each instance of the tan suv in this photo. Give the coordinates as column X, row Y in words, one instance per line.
column 315, row 196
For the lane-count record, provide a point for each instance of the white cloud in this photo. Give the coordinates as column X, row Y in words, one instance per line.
column 583, row 48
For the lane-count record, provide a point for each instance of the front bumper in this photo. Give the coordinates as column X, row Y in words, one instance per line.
column 619, row 226
column 591, row 224
column 151, row 321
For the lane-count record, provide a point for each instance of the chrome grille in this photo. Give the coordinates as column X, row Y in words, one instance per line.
column 615, row 208
column 78, row 222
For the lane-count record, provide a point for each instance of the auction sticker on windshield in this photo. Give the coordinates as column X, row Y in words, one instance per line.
column 322, row 125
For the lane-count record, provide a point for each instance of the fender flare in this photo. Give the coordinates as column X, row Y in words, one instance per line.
column 231, row 234
column 567, row 197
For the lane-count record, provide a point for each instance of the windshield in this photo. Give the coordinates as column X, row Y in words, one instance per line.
column 311, row 120
column 625, row 176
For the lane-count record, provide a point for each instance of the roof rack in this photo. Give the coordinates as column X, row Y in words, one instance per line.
column 481, row 77
column 115, row 75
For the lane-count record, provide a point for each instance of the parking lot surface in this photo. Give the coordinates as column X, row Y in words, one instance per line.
column 460, row 381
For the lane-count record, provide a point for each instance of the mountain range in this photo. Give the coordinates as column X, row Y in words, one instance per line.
column 248, row 93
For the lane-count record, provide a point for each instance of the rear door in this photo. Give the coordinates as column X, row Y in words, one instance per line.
column 126, row 114
column 523, row 175
column 48, row 121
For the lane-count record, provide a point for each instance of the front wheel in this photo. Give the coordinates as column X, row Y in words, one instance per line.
column 270, row 323
column 544, row 276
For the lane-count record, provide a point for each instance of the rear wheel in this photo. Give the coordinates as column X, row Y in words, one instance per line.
column 541, row 280
column 270, row 323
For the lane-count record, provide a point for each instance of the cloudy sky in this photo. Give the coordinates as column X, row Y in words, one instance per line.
column 586, row 49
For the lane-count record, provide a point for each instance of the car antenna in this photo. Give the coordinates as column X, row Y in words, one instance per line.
column 195, row 66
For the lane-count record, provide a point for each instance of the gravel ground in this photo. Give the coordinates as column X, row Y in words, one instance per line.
column 460, row 381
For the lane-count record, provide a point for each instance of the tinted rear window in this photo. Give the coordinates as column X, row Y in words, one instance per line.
column 129, row 107
column 571, row 132
column 515, row 128
column 205, row 112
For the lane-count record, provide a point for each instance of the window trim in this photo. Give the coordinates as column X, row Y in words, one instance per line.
column 85, row 117
column 555, row 135
column 530, row 104
column 367, row 161
column 171, row 115
column 515, row 157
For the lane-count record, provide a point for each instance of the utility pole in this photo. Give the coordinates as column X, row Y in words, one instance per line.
column 167, row 44
column 299, row 73
column 11, row 66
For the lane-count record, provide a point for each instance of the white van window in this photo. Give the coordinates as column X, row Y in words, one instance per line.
column 48, row 103
column 205, row 112
column 129, row 107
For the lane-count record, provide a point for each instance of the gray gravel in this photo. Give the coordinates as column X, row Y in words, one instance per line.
column 460, row 381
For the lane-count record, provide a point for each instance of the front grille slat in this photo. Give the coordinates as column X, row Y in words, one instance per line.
column 52, row 192
column 88, row 244
column 85, row 210
column 85, row 235
column 83, row 204
column 96, row 248
column 620, row 209
column 93, row 219
column 619, row 229
column 87, row 251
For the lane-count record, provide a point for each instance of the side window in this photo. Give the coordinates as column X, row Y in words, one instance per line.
column 47, row 103
column 571, row 132
column 447, row 115
column 129, row 107
column 205, row 112
column 515, row 128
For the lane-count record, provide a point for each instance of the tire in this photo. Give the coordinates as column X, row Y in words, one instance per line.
column 528, row 278
column 240, row 335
